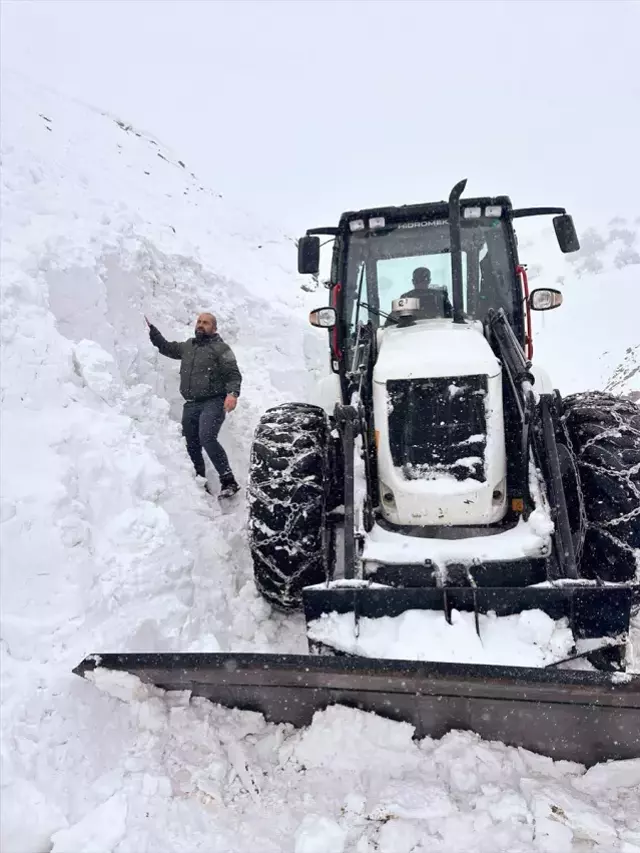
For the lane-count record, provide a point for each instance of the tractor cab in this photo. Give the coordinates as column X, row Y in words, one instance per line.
column 395, row 266
column 401, row 259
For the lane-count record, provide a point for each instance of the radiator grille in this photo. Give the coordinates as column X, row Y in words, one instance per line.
column 438, row 427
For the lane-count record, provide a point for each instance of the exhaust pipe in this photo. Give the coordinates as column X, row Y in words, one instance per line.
column 456, row 251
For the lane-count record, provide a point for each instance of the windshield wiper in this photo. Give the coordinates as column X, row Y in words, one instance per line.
column 377, row 311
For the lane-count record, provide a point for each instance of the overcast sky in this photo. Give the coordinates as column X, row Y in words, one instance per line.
column 301, row 109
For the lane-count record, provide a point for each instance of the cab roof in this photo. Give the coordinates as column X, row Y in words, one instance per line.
column 424, row 210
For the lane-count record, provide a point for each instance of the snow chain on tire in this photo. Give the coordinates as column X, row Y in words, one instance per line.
column 288, row 488
column 583, row 522
column 603, row 434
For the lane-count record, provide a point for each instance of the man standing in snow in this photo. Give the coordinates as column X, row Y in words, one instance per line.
column 210, row 384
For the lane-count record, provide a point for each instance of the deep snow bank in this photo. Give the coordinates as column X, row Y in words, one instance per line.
column 101, row 225
column 190, row 776
column 107, row 541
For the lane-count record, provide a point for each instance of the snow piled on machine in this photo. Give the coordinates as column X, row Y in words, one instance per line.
column 108, row 543
column 530, row 638
column 525, row 539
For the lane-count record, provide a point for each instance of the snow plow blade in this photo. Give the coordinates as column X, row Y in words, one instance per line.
column 580, row 716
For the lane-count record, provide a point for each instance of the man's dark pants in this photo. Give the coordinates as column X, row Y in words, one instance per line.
column 201, row 422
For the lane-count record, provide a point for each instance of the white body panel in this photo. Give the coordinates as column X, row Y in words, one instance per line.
column 432, row 349
column 326, row 393
column 543, row 383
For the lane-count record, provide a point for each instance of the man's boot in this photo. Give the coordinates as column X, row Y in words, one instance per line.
column 202, row 480
column 228, row 486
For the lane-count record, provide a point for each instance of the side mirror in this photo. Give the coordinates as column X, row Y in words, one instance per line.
column 323, row 318
column 545, row 298
column 566, row 233
column 309, row 255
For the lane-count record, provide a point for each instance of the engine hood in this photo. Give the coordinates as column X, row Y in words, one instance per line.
column 432, row 349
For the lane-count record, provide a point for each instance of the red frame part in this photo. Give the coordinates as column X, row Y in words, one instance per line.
column 528, row 339
column 335, row 349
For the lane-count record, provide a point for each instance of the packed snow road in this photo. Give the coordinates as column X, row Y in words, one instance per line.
column 109, row 543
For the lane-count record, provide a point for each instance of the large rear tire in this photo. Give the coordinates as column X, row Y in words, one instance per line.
column 289, row 485
column 604, row 433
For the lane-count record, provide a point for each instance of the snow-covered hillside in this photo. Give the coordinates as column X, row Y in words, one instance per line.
column 107, row 540
column 625, row 379
column 102, row 226
column 108, row 543
column 592, row 340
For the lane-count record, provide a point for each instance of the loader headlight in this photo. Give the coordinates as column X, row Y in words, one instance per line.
column 387, row 495
column 357, row 225
column 499, row 492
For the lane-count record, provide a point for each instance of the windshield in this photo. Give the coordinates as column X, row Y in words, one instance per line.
column 413, row 259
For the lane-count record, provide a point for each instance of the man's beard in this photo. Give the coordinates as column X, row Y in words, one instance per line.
column 201, row 334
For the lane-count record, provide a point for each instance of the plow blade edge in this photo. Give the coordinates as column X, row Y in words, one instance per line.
column 586, row 717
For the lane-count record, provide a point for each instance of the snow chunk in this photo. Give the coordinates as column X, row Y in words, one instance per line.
column 540, row 523
column 122, row 685
column 100, row 829
column 620, row 677
column 610, row 776
column 413, row 801
column 318, row 834
column 96, row 368
column 339, row 737
column 561, row 817
column 530, row 638
column 29, row 819
column 399, row 836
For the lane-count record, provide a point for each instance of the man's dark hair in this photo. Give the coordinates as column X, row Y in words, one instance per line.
column 422, row 275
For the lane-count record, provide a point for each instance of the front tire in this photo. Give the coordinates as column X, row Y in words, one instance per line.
column 604, row 433
column 289, row 485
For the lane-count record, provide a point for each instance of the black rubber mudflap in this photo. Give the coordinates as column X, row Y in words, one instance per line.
column 586, row 717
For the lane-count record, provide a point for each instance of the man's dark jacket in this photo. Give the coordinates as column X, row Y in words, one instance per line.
column 208, row 367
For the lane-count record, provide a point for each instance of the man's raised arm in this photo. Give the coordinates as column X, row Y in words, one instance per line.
column 172, row 349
